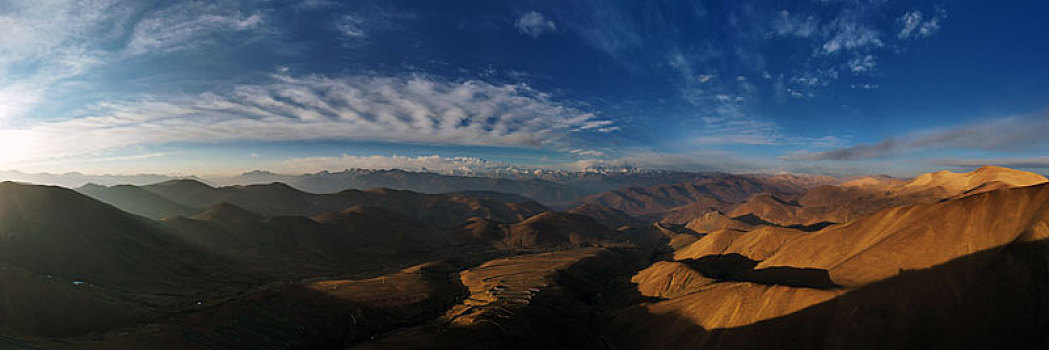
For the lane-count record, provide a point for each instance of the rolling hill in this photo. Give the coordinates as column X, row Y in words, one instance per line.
column 441, row 210
column 927, row 274
column 714, row 191
column 940, row 261
column 547, row 230
column 71, row 264
column 864, row 196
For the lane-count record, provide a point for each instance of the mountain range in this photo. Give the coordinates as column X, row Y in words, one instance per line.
column 720, row 261
column 553, row 188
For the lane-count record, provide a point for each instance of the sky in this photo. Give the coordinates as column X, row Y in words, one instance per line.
column 223, row 87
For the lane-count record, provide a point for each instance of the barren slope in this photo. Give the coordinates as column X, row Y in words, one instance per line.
column 969, row 272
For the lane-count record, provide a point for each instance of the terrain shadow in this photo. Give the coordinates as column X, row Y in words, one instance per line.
column 323, row 314
column 337, row 315
column 568, row 314
column 754, row 220
column 992, row 299
column 735, row 267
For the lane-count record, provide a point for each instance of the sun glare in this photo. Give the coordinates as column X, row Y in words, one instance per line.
column 16, row 146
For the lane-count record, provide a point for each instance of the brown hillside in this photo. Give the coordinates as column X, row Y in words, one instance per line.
column 688, row 212
column 864, row 196
column 928, row 274
column 611, row 218
column 712, row 221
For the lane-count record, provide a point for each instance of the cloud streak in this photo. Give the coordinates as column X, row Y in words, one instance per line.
column 48, row 43
column 44, row 43
column 409, row 109
column 1020, row 163
column 187, row 25
column 434, row 163
column 689, row 161
column 913, row 25
column 1004, row 134
column 533, row 24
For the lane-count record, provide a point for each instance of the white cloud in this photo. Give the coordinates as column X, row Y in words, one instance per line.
column 738, row 130
column 49, row 43
column 751, row 130
column 787, row 24
column 930, row 27
column 369, row 22
column 913, row 26
column 533, row 24
column 186, row 25
column 862, row 64
column 999, row 134
column 1041, row 162
column 909, row 22
column 848, row 34
column 433, row 163
column 45, row 42
column 816, row 77
column 690, row 161
column 412, row 109
column 588, row 153
column 351, row 26
column 867, row 86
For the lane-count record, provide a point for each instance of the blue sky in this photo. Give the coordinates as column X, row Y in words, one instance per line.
column 220, row 87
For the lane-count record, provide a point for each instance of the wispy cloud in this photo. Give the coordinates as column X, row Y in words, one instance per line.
column 351, row 26
column 914, row 25
column 847, row 34
column 785, row 56
column 409, row 109
column 44, row 43
column 533, row 24
column 433, row 163
column 862, row 64
column 605, row 26
column 1003, row 134
column 788, row 24
column 49, row 43
column 1019, row 163
column 188, row 25
column 369, row 20
column 738, row 130
column 690, row 161
column 758, row 131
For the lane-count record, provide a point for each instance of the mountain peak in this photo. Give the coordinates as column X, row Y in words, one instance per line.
column 996, row 169
column 961, row 182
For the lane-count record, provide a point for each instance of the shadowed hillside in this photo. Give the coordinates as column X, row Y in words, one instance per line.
column 72, row 264
column 547, row 230
column 928, row 274
column 442, row 210
column 500, row 273
column 994, row 299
